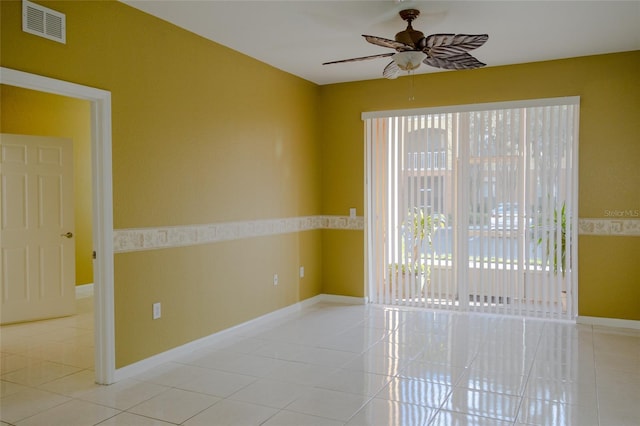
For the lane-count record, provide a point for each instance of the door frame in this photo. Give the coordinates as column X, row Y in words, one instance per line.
column 102, row 206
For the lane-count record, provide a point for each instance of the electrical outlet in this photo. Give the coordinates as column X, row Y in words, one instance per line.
column 302, row 272
column 157, row 310
column 275, row 279
column 352, row 212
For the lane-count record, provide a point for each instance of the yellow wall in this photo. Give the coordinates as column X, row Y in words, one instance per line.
column 609, row 159
column 201, row 134
column 29, row 112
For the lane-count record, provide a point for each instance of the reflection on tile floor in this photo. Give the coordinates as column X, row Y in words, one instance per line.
column 332, row 364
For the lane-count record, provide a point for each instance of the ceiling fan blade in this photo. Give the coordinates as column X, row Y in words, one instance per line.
column 445, row 45
column 385, row 42
column 463, row 61
column 391, row 71
column 362, row 58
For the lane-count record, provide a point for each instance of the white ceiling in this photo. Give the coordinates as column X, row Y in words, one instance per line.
column 298, row 36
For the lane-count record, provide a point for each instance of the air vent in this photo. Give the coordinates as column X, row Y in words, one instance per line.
column 44, row 22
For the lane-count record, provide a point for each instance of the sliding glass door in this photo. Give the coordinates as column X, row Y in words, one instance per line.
column 474, row 207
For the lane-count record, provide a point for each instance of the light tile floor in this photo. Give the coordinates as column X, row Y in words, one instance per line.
column 336, row 365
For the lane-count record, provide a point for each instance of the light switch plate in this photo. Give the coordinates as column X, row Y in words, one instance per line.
column 157, row 310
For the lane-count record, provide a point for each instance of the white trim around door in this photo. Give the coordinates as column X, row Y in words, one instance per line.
column 102, row 206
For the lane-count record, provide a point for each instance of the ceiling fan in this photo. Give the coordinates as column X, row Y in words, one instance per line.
column 447, row 51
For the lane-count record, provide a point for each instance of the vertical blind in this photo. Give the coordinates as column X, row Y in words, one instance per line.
column 474, row 208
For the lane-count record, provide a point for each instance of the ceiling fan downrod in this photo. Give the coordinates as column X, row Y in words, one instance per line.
column 409, row 36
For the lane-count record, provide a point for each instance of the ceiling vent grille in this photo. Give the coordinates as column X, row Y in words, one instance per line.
column 44, row 22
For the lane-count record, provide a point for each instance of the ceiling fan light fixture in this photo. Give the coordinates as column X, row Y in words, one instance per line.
column 409, row 60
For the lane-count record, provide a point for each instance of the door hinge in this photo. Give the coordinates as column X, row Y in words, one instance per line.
column 94, row 255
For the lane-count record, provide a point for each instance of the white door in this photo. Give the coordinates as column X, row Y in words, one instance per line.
column 37, row 265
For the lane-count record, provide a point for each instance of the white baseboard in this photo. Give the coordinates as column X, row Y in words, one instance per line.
column 334, row 298
column 609, row 322
column 187, row 348
column 84, row 290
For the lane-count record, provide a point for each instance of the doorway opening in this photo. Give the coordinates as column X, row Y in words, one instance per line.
column 102, row 206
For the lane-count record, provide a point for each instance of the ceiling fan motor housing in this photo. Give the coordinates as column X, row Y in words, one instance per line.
column 410, row 37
